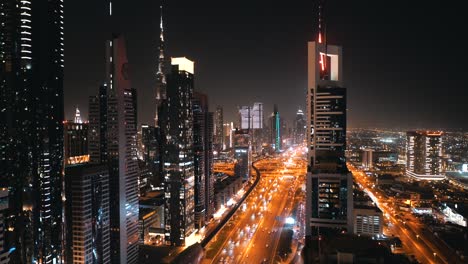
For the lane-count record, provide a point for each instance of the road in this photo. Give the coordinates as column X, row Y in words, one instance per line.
column 404, row 225
column 253, row 234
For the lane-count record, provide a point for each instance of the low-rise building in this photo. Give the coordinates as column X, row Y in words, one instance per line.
column 225, row 188
column 368, row 220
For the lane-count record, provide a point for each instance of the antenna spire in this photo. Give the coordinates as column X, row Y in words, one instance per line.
column 320, row 20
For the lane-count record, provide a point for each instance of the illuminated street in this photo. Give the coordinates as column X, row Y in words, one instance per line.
column 408, row 228
column 253, row 233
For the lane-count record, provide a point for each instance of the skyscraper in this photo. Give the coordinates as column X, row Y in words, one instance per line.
column 178, row 161
column 424, row 155
column 31, row 131
column 299, row 127
column 203, row 159
column 329, row 183
column 219, row 129
column 122, row 155
column 161, row 83
column 242, row 154
column 87, row 214
column 275, row 129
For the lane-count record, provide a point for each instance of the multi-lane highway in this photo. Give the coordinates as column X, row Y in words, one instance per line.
column 402, row 224
column 253, row 234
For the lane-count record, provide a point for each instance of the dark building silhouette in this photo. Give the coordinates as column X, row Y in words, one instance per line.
column 87, row 214
column 242, row 154
column 176, row 124
column 4, row 251
column 218, row 129
column 31, row 130
column 97, row 131
column 151, row 142
column 203, row 159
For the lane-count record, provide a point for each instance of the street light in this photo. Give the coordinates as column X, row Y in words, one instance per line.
column 417, row 236
column 435, row 254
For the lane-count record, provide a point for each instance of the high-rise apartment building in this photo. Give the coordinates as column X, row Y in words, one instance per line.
column 367, row 158
column 329, row 199
column 424, row 155
column 87, row 214
column 176, row 124
column 219, row 129
column 31, row 130
column 121, row 155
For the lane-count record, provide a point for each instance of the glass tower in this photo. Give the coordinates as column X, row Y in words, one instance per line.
column 121, row 155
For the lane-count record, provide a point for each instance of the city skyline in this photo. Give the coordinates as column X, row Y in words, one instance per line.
column 235, row 56
column 186, row 132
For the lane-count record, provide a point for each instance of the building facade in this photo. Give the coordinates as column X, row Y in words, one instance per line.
column 151, row 152
column 242, row 154
column 4, row 250
column 203, row 159
column 367, row 158
column 97, row 131
column 424, row 155
column 251, row 117
column 368, row 221
column 76, row 140
column 31, row 130
column 121, row 155
column 219, row 129
column 329, row 183
column 176, row 124
column 299, row 127
column 87, row 214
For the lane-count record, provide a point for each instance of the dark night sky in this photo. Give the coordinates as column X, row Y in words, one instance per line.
column 404, row 61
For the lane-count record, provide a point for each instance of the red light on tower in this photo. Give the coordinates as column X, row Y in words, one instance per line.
column 322, row 61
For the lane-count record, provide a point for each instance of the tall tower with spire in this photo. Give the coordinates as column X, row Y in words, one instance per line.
column 329, row 202
column 160, row 74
